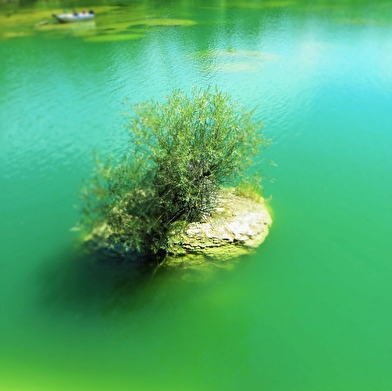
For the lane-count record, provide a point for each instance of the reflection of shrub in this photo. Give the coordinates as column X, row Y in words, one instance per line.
column 181, row 151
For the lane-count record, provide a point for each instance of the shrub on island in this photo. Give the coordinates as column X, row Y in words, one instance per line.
column 182, row 152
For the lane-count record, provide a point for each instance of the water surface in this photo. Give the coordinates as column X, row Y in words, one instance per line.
column 310, row 310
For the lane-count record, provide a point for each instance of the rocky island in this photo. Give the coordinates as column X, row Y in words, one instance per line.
column 236, row 227
column 181, row 195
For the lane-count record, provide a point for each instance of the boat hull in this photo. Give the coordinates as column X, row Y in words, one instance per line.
column 71, row 18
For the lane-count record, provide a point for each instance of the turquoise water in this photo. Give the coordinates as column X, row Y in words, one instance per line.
column 311, row 309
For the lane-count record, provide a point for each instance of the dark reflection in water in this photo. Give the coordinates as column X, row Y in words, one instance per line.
column 91, row 284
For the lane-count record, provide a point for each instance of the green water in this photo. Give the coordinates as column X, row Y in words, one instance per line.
column 311, row 310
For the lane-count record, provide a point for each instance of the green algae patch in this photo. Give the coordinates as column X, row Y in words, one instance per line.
column 361, row 22
column 113, row 37
column 162, row 22
column 264, row 4
column 15, row 34
column 232, row 60
column 25, row 18
column 231, row 53
column 29, row 22
column 73, row 29
column 20, row 24
column 111, row 23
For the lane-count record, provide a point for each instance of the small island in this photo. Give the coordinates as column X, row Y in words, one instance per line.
column 182, row 194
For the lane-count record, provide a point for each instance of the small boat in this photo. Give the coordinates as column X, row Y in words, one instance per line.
column 75, row 17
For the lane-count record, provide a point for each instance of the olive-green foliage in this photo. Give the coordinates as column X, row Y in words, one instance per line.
column 181, row 151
